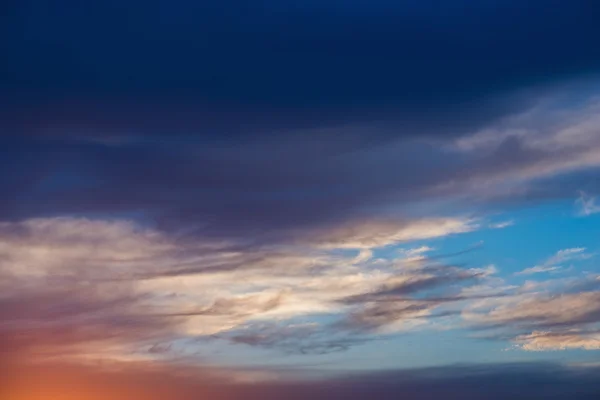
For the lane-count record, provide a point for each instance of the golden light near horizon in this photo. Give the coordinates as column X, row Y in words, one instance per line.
column 56, row 382
column 119, row 381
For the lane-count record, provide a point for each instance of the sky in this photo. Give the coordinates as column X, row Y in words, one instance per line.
column 274, row 199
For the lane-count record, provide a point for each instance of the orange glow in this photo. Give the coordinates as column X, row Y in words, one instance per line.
column 46, row 383
column 59, row 382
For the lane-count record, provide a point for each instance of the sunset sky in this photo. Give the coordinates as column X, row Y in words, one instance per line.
column 358, row 199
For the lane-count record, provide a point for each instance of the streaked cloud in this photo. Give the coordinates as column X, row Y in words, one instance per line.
column 554, row 315
column 502, row 224
column 555, row 262
column 87, row 287
column 372, row 234
column 78, row 284
column 545, row 341
column 538, row 310
column 538, row 269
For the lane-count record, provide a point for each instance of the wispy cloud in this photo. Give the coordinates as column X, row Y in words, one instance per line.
column 417, row 251
column 548, row 341
column 381, row 233
column 561, row 315
column 552, row 264
column 538, row 269
column 502, row 224
column 562, row 256
column 587, row 204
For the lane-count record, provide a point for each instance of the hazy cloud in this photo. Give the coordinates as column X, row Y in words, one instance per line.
column 587, row 204
column 553, row 263
column 502, row 224
column 537, row 269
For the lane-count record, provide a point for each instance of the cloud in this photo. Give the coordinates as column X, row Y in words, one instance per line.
column 415, row 254
column 162, row 86
column 406, row 283
column 372, row 234
column 538, row 310
column 412, row 299
column 527, row 153
column 502, row 224
column 363, row 255
column 552, row 315
column 256, row 242
column 263, row 191
column 537, row 269
column 577, row 253
column 80, row 287
column 544, row 341
column 389, row 317
column 587, row 204
column 240, row 185
column 562, row 256
column 299, row 338
column 417, row 251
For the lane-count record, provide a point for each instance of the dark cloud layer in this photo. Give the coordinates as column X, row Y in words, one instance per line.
column 272, row 120
column 232, row 67
column 270, row 190
column 248, row 189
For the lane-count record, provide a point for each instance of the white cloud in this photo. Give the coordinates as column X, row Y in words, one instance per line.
column 577, row 253
column 486, row 271
column 552, row 263
column 538, row 269
column 363, row 255
column 549, row 341
column 417, row 251
column 413, row 255
column 502, row 224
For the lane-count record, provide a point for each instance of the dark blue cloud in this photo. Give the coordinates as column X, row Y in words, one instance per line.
column 233, row 67
column 201, row 112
